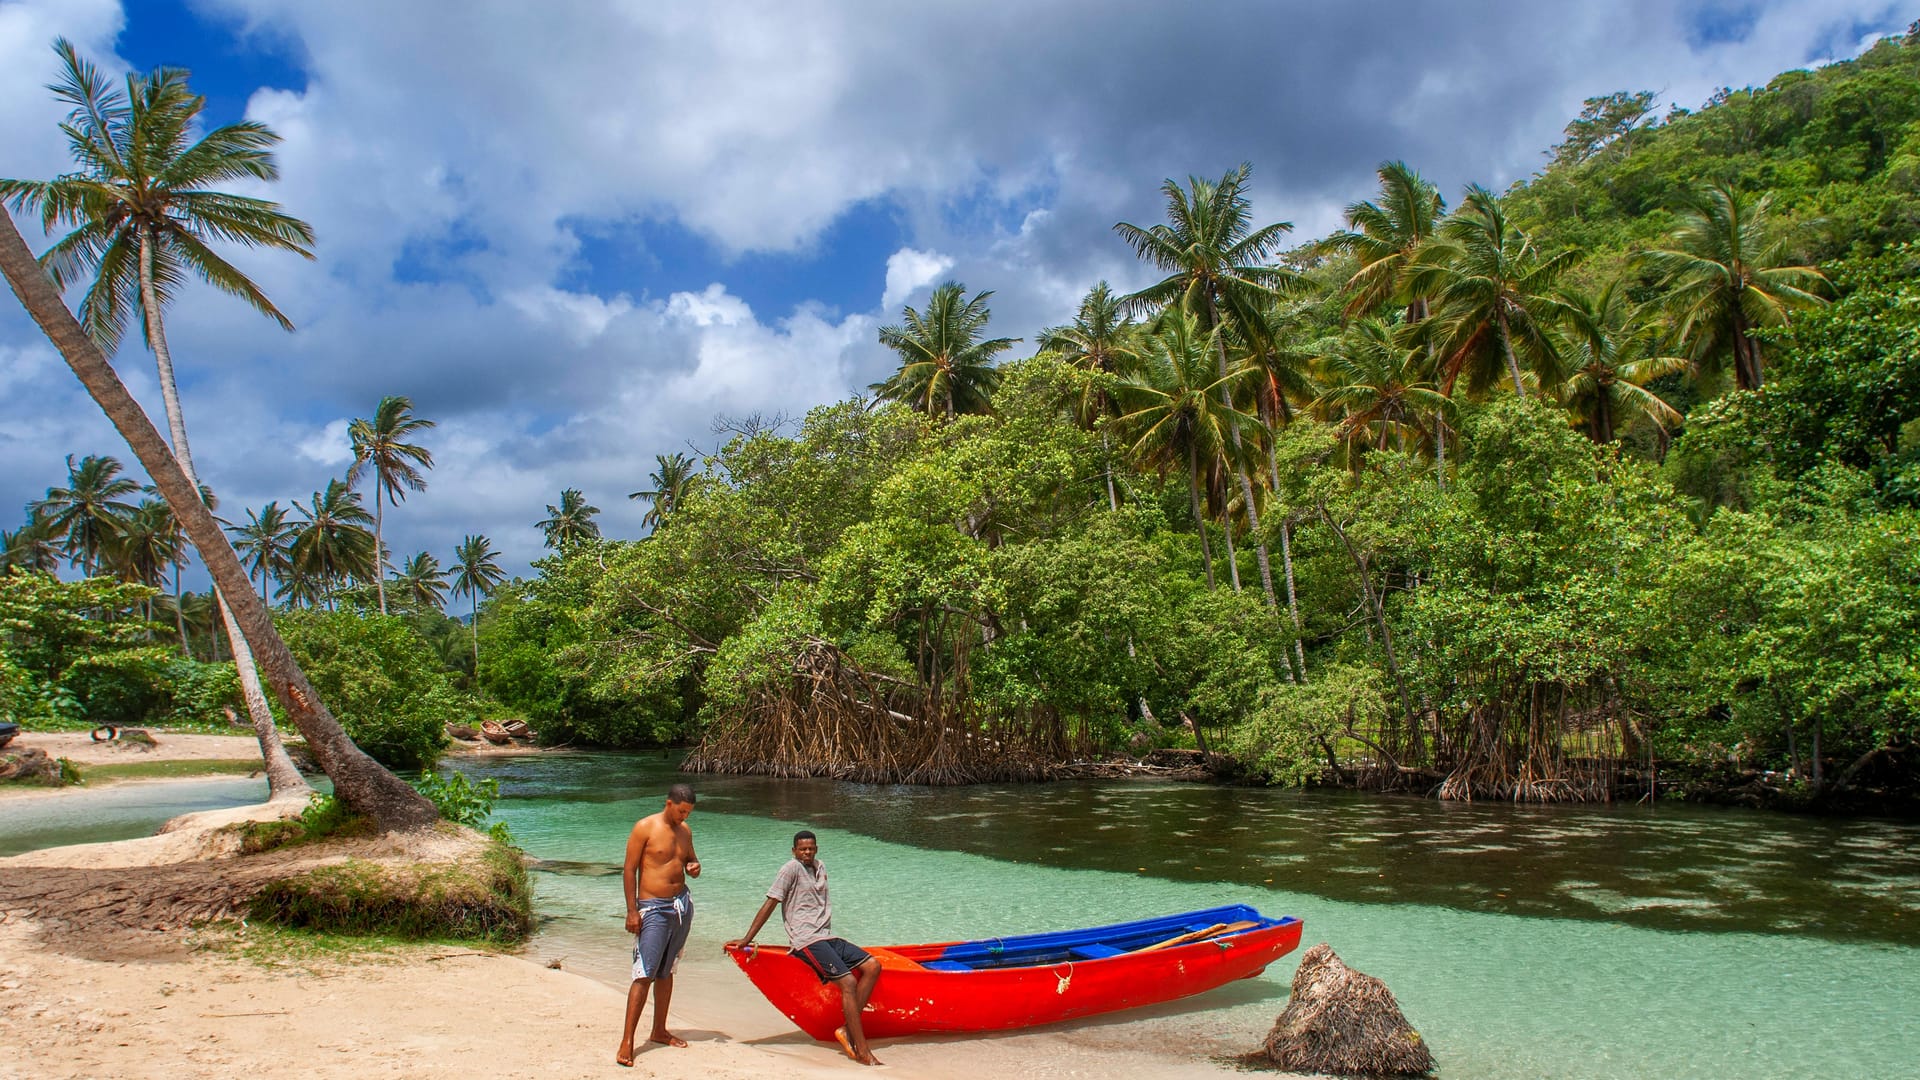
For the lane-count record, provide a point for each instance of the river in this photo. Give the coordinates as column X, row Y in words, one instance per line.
column 1575, row 942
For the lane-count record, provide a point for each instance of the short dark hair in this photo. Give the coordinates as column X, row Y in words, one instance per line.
column 682, row 793
column 804, row 834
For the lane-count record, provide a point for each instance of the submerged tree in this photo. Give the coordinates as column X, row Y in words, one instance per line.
column 381, row 444
column 946, row 368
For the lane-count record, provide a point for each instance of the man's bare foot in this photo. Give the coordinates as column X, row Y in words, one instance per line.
column 666, row 1038
column 624, row 1056
column 870, row 1059
column 840, row 1036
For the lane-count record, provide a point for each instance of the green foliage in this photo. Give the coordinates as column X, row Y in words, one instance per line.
column 324, row 816
column 462, row 801
column 1291, row 733
column 381, row 679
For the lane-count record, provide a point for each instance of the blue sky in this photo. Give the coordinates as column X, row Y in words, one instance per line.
column 575, row 233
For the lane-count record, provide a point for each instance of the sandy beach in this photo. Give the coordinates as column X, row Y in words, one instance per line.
column 89, row 993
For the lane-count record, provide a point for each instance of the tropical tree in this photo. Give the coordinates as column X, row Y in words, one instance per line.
column 381, row 444
column 1727, row 274
column 86, row 514
column 1608, row 354
column 672, row 482
column 946, row 368
column 1377, row 387
column 1384, row 236
column 570, row 523
column 144, row 205
column 1104, row 343
column 265, row 544
column 333, row 544
column 423, row 582
column 29, row 548
column 1175, row 414
column 1493, row 304
column 1219, row 270
column 476, row 571
column 358, row 780
column 146, row 543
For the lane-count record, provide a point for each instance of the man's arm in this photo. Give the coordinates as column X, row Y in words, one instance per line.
column 693, row 861
column 759, row 920
column 636, row 843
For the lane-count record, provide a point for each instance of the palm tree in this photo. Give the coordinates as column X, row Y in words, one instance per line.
column 1727, row 274
column 87, row 513
column 1384, row 236
column 29, row 548
column 358, row 780
column 265, row 544
column 145, row 545
column 1219, row 271
column 945, row 367
column 569, row 523
column 476, row 571
column 1378, row 386
column 1492, row 300
column 144, row 205
column 1175, row 414
column 1608, row 347
column 380, row 442
column 423, row 580
column 1103, row 343
column 333, row 543
column 672, row 482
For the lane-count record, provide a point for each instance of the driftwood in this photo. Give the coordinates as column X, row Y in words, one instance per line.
column 1343, row 1023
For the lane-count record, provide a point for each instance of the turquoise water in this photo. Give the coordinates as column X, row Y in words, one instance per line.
column 1568, row 942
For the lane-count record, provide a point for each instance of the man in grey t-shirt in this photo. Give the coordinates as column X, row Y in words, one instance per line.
column 800, row 890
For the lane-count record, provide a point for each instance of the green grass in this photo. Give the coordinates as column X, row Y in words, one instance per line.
column 150, row 770
column 313, row 952
column 324, row 816
column 482, row 899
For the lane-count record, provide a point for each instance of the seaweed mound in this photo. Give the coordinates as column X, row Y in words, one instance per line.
column 1341, row 1022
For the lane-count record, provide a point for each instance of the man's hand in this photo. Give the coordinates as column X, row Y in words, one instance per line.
column 693, row 867
column 735, row 943
column 633, row 922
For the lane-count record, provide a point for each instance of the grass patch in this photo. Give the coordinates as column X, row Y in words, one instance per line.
column 485, row 898
column 151, row 770
column 324, row 816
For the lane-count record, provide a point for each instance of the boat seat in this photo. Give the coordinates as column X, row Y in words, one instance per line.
column 945, row 965
column 1094, row 950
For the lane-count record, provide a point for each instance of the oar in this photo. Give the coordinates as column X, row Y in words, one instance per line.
column 1199, row 935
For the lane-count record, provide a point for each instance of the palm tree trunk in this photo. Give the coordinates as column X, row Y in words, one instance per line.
column 475, row 627
column 1513, row 365
column 359, row 780
column 1193, row 497
column 379, row 541
column 1233, row 558
column 179, row 616
column 1286, row 562
column 1106, row 454
column 1246, row 486
column 279, row 765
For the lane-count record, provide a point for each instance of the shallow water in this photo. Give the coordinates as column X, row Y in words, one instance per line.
column 115, row 811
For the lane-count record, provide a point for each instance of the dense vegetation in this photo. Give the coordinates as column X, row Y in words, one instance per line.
column 1527, row 498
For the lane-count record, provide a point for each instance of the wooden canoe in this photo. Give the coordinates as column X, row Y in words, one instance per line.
column 998, row 984
column 493, row 732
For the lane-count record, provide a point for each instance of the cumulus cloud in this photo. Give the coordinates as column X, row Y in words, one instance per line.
column 909, row 270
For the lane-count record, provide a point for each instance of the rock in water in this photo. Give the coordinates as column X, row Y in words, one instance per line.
column 1343, row 1023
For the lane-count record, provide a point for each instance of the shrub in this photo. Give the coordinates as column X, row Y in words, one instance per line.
column 381, row 679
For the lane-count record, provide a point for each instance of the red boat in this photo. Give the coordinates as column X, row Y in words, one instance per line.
column 1017, row 982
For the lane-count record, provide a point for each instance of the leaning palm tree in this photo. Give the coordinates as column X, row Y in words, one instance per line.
column 333, row 543
column 144, row 205
column 1609, row 350
column 1384, row 236
column 423, row 582
column 381, row 443
column 946, row 368
column 1175, row 416
column 570, row 523
column 672, row 482
column 358, row 780
column 265, row 544
column 1219, row 270
column 1727, row 273
column 86, row 514
column 1378, row 388
column 476, row 571
column 1493, row 304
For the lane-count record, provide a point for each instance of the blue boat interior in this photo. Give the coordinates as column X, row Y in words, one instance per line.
column 1098, row 942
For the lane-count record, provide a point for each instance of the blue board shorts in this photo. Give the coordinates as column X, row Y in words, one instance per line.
column 664, row 924
column 832, row 958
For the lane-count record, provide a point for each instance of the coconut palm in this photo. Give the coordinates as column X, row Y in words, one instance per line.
column 332, row 544
column 1727, row 273
column 29, row 548
column 570, row 523
column 265, row 544
column 1103, row 343
column 1384, row 236
column 397, row 464
column 1491, row 291
column 945, row 366
column 672, row 482
column 1378, row 387
column 1218, row 270
column 86, row 514
column 1174, row 414
column 476, row 571
column 1609, row 356
column 423, row 582
column 358, row 780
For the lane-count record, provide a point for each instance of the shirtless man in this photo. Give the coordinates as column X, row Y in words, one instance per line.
column 660, row 859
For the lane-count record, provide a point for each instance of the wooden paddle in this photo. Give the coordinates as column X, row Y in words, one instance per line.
column 1199, row 935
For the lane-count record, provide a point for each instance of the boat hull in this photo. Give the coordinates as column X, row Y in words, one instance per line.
column 913, row 998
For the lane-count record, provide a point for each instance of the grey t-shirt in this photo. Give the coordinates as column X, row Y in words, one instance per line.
column 803, row 902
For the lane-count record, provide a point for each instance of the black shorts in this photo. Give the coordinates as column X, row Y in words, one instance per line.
column 832, row 958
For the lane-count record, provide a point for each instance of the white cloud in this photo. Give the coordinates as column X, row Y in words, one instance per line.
column 907, row 271
column 330, row 446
